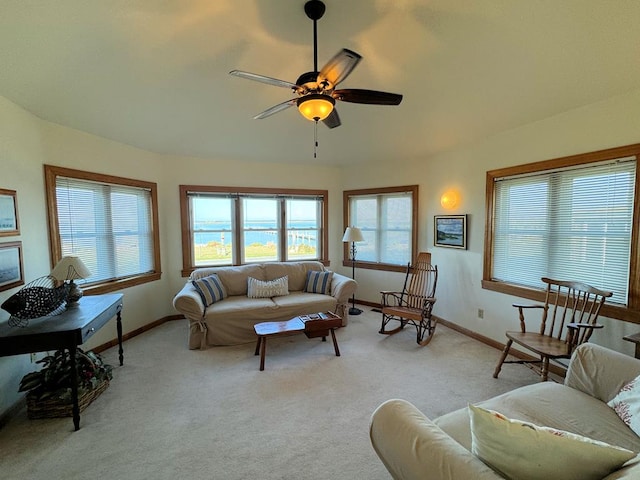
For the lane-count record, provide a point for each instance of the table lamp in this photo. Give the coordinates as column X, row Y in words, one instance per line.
column 69, row 269
column 353, row 235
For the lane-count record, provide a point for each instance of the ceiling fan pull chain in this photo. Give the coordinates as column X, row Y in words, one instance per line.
column 315, row 139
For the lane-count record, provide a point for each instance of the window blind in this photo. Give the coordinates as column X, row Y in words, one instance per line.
column 108, row 226
column 386, row 223
column 567, row 224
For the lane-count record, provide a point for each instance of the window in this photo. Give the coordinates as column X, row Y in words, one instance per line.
column 571, row 219
column 234, row 226
column 388, row 220
column 109, row 222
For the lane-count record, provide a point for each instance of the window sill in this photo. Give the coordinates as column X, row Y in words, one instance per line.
column 120, row 284
column 375, row 266
column 618, row 312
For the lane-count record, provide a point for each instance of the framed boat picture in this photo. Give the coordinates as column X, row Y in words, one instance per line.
column 8, row 213
column 450, row 231
column 11, row 272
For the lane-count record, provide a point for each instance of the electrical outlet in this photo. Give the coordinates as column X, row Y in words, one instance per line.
column 480, row 313
column 33, row 358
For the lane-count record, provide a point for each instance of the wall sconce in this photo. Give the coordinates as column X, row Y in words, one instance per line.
column 450, row 199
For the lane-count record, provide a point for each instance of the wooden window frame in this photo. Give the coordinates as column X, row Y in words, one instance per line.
column 185, row 216
column 629, row 313
column 346, row 194
column 51, row 173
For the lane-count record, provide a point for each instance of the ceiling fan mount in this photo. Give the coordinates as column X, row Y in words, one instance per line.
column 314, row 9
column 316, row 93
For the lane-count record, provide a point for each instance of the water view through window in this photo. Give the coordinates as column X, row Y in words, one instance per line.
column 261, row 231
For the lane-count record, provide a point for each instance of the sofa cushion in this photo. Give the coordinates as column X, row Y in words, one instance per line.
column 301, row 303
column 627, row 404
column 552, row 405
column 296, row 271
column 210, row 289
column 318, row 282
column 267, row 288
column 233, row 278
column 525, row 451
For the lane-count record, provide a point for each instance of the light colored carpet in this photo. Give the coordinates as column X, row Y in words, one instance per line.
column 173, row 413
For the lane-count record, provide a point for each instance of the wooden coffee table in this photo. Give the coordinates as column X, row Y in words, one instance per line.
column 313, row 325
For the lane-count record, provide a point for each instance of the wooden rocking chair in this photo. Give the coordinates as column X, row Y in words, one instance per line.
column 569, row 317
column 414, row 303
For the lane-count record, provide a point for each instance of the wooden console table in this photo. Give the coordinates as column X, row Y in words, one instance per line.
column 68, row 330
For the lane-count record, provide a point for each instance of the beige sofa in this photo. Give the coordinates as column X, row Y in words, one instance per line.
column 413, row 447
column 231, row 320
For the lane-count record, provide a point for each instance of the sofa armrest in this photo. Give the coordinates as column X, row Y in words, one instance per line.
column 412, row 447
column 189, row 303
column 599, row 371
column 342, row 288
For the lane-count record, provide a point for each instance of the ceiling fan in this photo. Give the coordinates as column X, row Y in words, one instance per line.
column 316, row 90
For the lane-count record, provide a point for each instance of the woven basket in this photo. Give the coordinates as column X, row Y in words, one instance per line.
column 54, row 408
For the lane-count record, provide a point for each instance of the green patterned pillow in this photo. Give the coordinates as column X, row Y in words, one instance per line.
column 210, row 288
column 520, row 450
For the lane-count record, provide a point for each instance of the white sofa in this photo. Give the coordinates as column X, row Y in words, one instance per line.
column 231, row 320
column 413, row 447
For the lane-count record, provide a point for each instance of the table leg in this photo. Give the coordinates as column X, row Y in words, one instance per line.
column 119, row 329
column 258, row 345
column 74, row 387
column 335, row 342
column 263, row 352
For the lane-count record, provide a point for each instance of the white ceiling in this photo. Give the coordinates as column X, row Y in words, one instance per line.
column 154, row 73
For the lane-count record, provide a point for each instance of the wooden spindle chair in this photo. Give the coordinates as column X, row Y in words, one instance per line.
column 569, row 317
column 414, row 303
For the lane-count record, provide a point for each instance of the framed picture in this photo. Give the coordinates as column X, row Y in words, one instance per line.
column 8, row 213
column 450, row 231
column 11, row 273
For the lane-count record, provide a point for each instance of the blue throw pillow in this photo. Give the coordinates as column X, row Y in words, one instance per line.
column 318, row 282
column 210, row 288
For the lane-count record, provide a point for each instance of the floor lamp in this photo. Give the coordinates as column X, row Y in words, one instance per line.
column 353, row 235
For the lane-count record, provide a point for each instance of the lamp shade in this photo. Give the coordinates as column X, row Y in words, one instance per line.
column 70, row 268
column 352, row 234
column 316, row 106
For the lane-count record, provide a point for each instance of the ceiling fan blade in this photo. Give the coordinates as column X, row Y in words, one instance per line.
column 371, row 97
column 339, row 67
column 263, row 79
column 333, row 120
column 276, row 108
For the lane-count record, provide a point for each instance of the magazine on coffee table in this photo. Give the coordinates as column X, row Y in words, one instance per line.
column 313, row 316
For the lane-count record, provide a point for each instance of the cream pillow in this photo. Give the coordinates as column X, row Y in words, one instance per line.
column 272, row 288
column 523, row 451
column 627, row 404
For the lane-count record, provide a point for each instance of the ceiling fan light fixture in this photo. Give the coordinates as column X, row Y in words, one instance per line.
column 316, row 106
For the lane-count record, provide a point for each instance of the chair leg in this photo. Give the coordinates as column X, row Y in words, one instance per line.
column 505, row 352
column 426, row 326
column 544, row 373
column 385, row 320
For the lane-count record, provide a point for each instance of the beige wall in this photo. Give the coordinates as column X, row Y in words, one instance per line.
column 26, row 143
column 611, row 123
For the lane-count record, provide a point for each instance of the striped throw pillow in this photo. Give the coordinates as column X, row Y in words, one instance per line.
column 272, row 288
column 318, row 282
column 210, row 288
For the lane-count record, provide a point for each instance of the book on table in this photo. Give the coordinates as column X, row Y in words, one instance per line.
column 313, row 316
column 319, row 324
